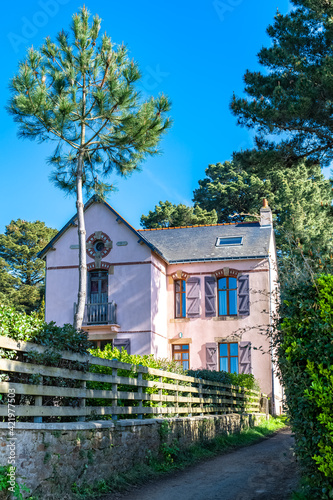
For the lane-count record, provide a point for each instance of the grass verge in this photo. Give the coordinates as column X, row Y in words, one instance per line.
column 172, row 459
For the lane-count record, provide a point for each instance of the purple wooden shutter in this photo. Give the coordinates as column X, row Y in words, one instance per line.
column 243, row 295
column 210, row 296
column 245, row 357
column 125, row 343
column 211, row 356
column 193, row 297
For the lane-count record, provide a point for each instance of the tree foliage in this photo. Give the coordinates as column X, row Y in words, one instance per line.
column 22, row 273
column 292, row 98
column 79, row 91
column 167, row 214
column 232, row 191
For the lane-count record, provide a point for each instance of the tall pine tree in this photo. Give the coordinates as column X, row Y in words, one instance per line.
column 292, row 99
column 80, row 92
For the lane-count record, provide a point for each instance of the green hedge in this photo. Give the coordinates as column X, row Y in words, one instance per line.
column 241, row 379
column 305, row 349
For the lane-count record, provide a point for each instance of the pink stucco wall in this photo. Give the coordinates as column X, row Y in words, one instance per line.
column 202, row 330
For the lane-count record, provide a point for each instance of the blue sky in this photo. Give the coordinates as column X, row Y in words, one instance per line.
column 196, row 52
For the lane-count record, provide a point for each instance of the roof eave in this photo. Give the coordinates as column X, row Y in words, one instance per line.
column 221, row 259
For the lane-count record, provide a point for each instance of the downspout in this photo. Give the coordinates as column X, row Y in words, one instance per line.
column 271, row 328
column 267, row 220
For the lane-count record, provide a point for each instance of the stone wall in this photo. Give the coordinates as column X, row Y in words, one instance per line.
column 51, row 457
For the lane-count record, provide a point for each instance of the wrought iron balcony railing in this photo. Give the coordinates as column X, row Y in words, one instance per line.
column 99, row 314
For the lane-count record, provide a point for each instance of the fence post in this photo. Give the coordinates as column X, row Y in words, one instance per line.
column 160, row 393
column 140, row 415
column 82, row 403
column 39, row 402
column 177, row 401
column 201, row 397
column 114, row 391
column 190, row 403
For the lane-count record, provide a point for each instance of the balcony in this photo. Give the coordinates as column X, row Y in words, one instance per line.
column 99, row 314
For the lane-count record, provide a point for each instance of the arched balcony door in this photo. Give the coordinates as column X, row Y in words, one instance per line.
column 97, row 307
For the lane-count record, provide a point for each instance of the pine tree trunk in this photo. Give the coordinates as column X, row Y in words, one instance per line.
column 81, row 228
column 81, row 299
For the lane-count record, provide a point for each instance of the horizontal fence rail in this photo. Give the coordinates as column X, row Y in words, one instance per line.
column 90, row 388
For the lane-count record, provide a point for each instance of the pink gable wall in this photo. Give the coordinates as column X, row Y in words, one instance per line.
column 130, row 280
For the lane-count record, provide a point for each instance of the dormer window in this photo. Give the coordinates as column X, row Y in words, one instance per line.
column 229, row 241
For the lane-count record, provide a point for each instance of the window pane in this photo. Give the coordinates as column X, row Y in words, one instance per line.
column 233, row 349
column 185, row 365
column 183, row 305
column 185, row 355
column 224, row 364
column 222, row 283
column 222, row 303
column 94, row 287
column 185, row 346
column 223, row 349
column 234, row 365
column 232, row 282
column 177, row 286
column 233, row 302
column 183, row 284
column 104, row 287
column 178, row 305
column 177, row 356
column 177, row 347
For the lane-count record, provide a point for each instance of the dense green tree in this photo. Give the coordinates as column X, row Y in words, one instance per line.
column 22, row 273
column 232, row 191
column 80, row 92
column 292, row 99
column 167, row 214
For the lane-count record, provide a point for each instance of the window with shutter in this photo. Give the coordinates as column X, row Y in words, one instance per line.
column 245, row 357
column 210, row 296
column 125, row 343
column 193, row 297
column 228, row 357
column 227, row 296
column 211, row 356
column 243, row 295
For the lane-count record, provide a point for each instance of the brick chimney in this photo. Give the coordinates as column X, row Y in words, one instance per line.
column 266, row 218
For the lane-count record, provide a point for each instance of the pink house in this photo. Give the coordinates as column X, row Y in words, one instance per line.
column 202, row 295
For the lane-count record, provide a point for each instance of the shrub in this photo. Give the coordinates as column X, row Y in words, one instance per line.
column 31, row 328
column 23, row 327
column 303, row 338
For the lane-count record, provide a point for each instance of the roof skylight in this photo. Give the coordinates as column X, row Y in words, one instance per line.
column 229, row 241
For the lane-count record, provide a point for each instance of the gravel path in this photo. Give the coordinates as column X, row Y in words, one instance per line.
column 263, row 471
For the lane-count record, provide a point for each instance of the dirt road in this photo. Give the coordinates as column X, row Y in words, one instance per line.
column 264, row 471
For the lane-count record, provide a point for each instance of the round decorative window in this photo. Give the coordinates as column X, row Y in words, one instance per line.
column 100, row 243
column 99, row 246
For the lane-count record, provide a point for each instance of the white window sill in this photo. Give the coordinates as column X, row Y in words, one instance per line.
column 179, row 320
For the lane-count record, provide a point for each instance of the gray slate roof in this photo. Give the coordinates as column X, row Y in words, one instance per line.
column 197, row 243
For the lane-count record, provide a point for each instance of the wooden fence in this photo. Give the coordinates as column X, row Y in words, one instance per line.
column 129, row 391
